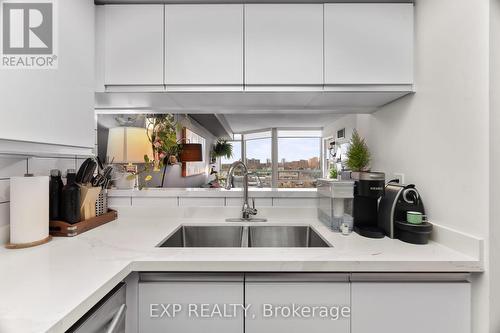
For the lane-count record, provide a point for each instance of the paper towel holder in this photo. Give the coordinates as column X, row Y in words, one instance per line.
column 32, row 243
column 26, row 245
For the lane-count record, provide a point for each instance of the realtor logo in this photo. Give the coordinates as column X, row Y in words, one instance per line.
column 28, row 34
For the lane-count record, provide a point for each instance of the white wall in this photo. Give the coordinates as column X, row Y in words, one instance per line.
column 33, row 102
column 494, row 240
column 349, row 122
column 439, row 137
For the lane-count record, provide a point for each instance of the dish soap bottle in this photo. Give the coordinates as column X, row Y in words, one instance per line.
column 55, row 189
column 70, row 199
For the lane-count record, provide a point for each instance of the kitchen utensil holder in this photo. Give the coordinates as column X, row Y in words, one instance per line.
column 101, row 205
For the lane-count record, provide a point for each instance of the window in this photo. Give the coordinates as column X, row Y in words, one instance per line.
column 298, row 154
column 226, row 162
column 258, row 147
column 299, row 158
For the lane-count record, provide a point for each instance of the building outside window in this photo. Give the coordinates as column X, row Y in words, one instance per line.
column 299, row 158
column 258, row 148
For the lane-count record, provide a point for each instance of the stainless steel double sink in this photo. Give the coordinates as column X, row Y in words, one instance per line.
column 245, row 236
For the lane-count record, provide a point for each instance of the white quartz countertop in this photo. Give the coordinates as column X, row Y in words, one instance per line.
column 47, row 288
column 216, row 192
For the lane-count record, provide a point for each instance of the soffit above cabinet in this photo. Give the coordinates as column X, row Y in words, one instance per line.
column 246, row 102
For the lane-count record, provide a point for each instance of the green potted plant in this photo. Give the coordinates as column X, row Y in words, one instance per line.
column 334, row 172
column 358, row 156
column 222, row 148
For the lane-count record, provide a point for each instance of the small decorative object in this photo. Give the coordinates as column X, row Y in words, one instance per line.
column 344, row 228
column 358, row 156
column 222, row 148
column 173, row 160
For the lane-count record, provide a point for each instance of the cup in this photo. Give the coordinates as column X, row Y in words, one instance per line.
column 415, row 217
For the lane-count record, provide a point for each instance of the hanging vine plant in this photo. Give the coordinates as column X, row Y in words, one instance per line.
column 222, row 148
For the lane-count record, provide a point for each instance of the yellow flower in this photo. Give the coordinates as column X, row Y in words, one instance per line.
column 148, row 178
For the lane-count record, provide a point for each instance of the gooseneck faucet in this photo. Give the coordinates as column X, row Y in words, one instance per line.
column 246, row 210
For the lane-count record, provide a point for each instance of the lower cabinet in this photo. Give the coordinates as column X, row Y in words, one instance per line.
column 411, row 307
column 296, row 303
column 304, row 303
column 190, row 303
column 109, row 315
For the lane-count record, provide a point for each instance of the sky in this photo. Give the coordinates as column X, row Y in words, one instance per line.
column 292, row 149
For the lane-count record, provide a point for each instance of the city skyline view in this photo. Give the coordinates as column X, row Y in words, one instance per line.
column 298, row 161
column 291, row 149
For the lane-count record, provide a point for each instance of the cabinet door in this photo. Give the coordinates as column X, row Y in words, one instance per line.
column 204, row 45
column 284, row 44
column 368, row 43
column 411, row 307
column 134, row 45
column 198, row 297
column 54, row 107
column 273, row 297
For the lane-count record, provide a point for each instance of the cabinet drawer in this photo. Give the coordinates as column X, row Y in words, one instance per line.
column 411, row 307
column 188, row 295
column 266, row 294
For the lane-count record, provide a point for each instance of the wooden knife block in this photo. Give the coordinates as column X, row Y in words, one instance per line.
column 88, row 199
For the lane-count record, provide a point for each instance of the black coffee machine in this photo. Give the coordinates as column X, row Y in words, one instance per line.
column 368, row 189
column 397, row 201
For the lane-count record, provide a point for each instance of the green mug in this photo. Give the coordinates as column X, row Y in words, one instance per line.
column 415, row 217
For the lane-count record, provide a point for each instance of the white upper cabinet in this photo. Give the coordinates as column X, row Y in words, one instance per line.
column 204, row 46
column 368, row 43
column 334, row 47
column 134, row 45
column 284, row 44
column 51, row 111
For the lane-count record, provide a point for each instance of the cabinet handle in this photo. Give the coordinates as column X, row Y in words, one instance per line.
column 117, row 319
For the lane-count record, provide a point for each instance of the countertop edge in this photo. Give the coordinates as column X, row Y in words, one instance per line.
column 213, row 193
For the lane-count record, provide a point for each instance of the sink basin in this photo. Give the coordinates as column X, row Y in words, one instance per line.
column 284, row 236
column 205, row 236
column 245, row 236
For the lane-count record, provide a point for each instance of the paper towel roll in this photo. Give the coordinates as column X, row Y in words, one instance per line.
column 29, row 209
